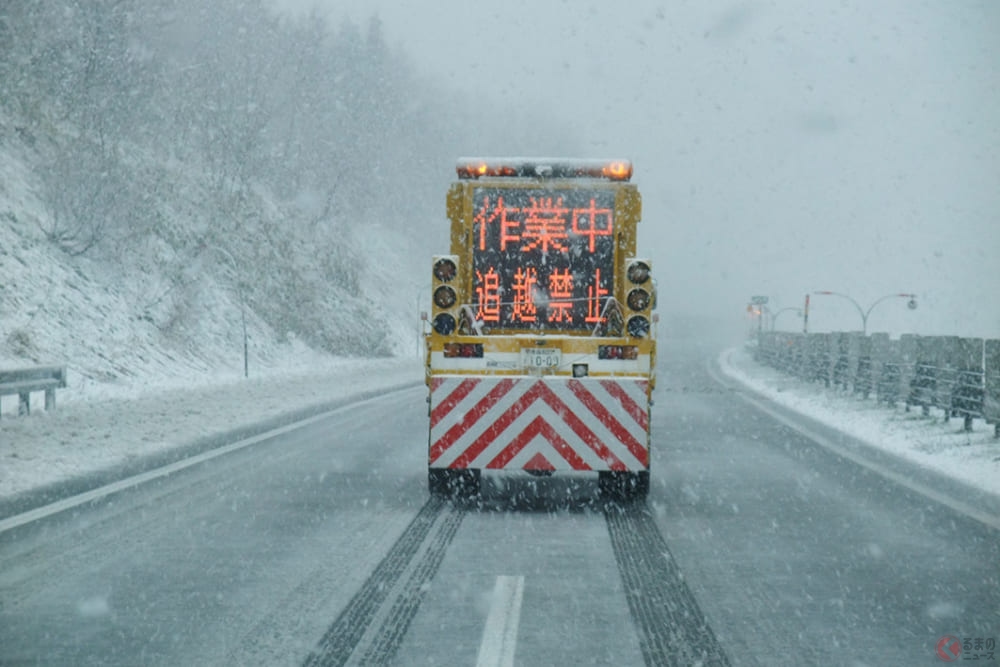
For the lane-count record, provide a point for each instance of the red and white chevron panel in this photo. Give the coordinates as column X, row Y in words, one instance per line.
column 528, row 423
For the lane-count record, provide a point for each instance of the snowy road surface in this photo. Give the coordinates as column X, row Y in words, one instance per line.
column 757, row 546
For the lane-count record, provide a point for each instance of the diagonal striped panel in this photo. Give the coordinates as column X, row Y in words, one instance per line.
column 468, row 413
column 539, row 427
column 532, row 405
column 578, row 424
column 617, row 428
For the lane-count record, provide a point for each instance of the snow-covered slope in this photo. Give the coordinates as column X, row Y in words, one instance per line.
column 166, row 311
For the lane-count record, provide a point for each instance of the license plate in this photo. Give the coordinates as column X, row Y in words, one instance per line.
column 541, row 357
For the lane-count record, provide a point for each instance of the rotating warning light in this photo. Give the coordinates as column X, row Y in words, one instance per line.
column 618, row 171
column 444, row 297
column 638, row 272
column 445, row 270
column 612, row 170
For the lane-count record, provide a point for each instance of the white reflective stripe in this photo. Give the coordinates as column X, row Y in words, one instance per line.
column 540, row 408
column 486, row 421
column 514, row 429
column 464, row 407
column 500, row 633
column 539, row 445
column 617, row 412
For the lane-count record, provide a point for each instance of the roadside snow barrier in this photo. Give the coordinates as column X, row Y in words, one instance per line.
column 991, row 382
column 960, row 376
column 23, row 381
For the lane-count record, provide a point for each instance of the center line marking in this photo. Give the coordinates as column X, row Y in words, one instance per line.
column 500, row 633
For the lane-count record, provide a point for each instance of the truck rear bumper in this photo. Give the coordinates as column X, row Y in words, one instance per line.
column 542, row 424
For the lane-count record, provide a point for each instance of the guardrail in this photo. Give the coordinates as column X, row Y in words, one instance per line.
column 23, row 381
column 960, row 376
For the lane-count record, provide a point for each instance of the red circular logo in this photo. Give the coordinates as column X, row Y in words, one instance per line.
column 949, row 648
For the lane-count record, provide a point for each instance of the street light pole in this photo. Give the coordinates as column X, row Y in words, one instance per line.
column 774, row 317
column 865, row 313
column 243, row 308
column 420, row 291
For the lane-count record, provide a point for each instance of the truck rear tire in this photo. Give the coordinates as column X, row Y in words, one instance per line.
column 623, row 487
column 446, row 483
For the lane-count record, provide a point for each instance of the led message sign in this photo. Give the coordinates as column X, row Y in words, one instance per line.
column 542, row 259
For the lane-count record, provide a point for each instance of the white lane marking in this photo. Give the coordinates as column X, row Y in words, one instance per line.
column 500, row 633
column 962, row 508
column 121, row 485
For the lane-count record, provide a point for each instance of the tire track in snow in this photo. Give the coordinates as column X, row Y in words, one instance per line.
column 366, row 627
column 672, row 628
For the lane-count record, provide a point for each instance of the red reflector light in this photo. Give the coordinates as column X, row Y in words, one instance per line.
column 463, row 350
column 617, row 352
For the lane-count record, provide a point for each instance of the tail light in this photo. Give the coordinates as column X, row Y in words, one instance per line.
column 617, row 352
column 463, row 350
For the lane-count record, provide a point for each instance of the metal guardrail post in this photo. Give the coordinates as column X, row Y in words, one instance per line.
column 908, row 354
column 944, row 371
column 960, row 376
column 923, row 386
column 791, row 344
column 24, row 381
column 879, row 347
column 864, row 370
column 801, row 356
column 968, row 391
column 821, row 357
column 991, row 384
column 890, row 387
column 840, row 353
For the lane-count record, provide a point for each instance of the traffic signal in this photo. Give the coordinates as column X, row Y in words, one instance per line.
column 444, row 295
column 640, row 298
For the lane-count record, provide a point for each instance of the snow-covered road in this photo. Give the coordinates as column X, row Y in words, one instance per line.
column 262, row 555
column 107, row 428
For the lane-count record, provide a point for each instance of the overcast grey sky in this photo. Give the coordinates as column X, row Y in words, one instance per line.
column 781, row 147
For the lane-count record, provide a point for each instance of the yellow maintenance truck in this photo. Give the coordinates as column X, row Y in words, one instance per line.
column 541, row 341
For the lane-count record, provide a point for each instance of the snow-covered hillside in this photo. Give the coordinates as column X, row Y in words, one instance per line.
column 155, row 318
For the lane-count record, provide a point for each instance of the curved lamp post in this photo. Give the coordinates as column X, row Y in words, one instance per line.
column 865, row 313
column 774, row 317
column 243, row 309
